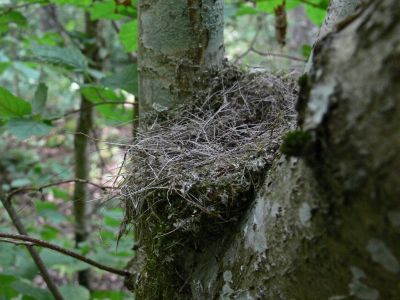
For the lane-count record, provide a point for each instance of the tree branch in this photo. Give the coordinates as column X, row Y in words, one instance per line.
column 64, row 251
column 39, row 189
column 35, row 256
column 277, row 55
column 93, row 105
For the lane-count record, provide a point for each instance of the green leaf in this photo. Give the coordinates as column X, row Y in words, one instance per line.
column 24, row 266
column 7, row 255
column 12, row 106
column 24, row 128
column 4, row 66
column 129, row 36
column 104, row 10
column 20, row 182
column 40, row 98
column 49, row 233
column 6, row 291
column 27, row 289
column 268, row 6
column 75, row 292
column 49, row 211
column 60, row 261
column 79, row 3
column 316, row 15
column 66, row 57
column 126, row 78
column 60, row 193
column 6, row 279
column 97, row 94
column 246, row 10
column 115, row 114
column 14, row 17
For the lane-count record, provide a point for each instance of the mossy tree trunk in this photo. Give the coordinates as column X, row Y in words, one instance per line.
column 324, row 225
column 177, row 41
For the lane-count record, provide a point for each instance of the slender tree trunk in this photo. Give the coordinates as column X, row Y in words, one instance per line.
column 177, row 41
column 82, row 157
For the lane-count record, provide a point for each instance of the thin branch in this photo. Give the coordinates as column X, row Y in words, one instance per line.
column 93, row 104
column 64, row 251
column 277, row 55
column 39, row 189
column 35, row 256
column 252, row 43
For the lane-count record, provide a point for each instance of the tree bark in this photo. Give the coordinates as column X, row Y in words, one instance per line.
column 326, row 226
column 81, row 153
column 177, row 41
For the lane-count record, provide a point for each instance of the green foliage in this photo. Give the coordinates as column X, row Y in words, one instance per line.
column 79, row 3
column 12, row 106
column 104, row 11
column 75, row 292
column 40, row 98
column 12, row 17
column 66, row 57
column 24, row 128
column 129, row 36
column 126, row 79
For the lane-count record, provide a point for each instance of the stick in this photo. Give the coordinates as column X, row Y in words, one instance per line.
column 64, row 251
column 35, row 256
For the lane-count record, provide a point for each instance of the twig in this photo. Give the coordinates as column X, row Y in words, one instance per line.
column 64, row 251
column 252, row 43
column 92, row 105
column 39, row 189
column 16, row 243
column 277, row 55
column 35, row 256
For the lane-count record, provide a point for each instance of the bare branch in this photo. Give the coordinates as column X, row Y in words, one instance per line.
column 35, row 256
column 64, row 251
column 39, row 189
column 277, row 55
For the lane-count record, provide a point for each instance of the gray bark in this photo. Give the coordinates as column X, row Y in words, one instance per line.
column 177, row 41
column 327, row 226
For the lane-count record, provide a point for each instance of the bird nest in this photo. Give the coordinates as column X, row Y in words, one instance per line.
column 195, row 168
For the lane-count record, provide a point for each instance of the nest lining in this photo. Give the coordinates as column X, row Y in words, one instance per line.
column 202, row 160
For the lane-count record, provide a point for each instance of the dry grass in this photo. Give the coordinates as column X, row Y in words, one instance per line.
column 202, row 161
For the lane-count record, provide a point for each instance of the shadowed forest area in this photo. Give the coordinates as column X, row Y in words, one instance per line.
column 199, row 149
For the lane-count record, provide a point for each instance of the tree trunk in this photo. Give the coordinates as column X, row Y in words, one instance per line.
column 177, row 40
column 81, row 154
column 325, row 225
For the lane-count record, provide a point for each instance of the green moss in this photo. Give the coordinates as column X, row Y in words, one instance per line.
column 304, row 94
column 295, row 143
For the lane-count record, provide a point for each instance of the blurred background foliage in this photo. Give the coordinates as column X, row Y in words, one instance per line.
column 42, row 76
